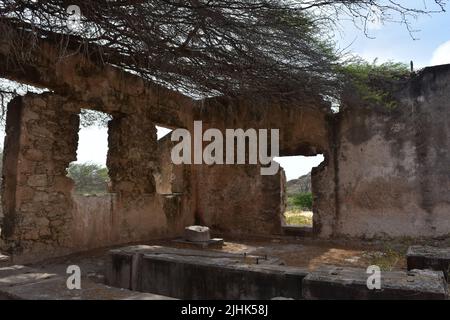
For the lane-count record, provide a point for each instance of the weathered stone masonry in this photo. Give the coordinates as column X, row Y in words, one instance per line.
column 41, row 141
column 42, row 216
column 385, row 172
column 236, row 198
column 394, row 165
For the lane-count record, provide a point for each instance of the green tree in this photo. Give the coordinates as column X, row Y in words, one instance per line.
column 89, row 178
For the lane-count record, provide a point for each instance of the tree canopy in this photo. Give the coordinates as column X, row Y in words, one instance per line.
column 89, row 178
column 215, row 47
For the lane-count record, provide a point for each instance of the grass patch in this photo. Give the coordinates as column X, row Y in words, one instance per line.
column 298, row 217
column 387, row 260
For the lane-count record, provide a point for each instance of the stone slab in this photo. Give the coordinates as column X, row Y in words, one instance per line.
column 4, row 258
column 56, row 289
column 426, row 257
column 212, row 243
column 328, row 282
column 197, row 234
column 237, row 257
column 191, row 276
column 19, row 275
column 24, row 283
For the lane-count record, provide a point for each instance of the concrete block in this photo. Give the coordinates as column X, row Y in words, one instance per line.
column 331, row 283
column 197, row 234
column 24, row 283
column 426, row 257
column 197, row 274
column 19, row 275
column 119, row 269
column 56, row 289
column 201, row 278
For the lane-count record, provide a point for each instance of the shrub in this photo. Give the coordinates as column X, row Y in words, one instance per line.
column 374, row 81
column 303, row 201
column 89, row 178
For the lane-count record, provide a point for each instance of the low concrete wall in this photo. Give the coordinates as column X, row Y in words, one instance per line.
column 185, row 274
column 93, row 220
column 195, row 274
column 100, row 221
column 331, row 283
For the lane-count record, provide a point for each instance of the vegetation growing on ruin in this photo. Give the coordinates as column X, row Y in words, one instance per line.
column 373, row 82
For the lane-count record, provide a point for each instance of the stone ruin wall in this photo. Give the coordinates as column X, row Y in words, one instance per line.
column 385, row 172
column 42, row 216
column 394, row 165
column 237, row 199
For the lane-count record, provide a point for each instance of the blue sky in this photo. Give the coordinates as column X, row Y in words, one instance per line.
column 391, row 42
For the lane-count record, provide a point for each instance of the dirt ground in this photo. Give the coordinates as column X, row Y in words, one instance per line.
column 300, row 252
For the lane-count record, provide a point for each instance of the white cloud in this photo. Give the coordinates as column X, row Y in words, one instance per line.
column 441, row 55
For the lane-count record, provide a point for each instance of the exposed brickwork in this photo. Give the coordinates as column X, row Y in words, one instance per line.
column 42, row 216
column 41, row 141
column 132, row 154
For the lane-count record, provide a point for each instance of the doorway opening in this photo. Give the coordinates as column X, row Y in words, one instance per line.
column 298, row 192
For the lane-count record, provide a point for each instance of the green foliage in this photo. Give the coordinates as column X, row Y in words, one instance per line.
column 302, row 201
column 89, row 178
column 371, row 80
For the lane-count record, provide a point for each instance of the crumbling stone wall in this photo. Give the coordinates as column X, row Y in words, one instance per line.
column 393, row 164
column 385, row 171
column 237, row 198
column 132, row 154
column 170, row 178
column 40, row 143
column 42, row 216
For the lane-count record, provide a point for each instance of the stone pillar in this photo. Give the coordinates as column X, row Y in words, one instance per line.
column 41, row 140
column 132, row 155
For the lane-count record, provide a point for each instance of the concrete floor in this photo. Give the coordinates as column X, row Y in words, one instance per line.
column 293, row 252
column 307, row 253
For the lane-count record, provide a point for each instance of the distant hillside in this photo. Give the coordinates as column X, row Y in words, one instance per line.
column 300, row 185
